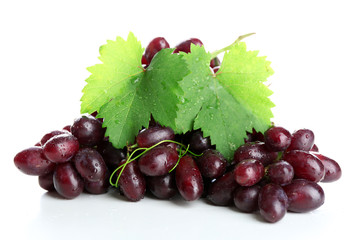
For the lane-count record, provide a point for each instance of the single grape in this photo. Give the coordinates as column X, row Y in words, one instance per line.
column 254, row 150
column 132, row 182
column 246, row 198
column 248, row 172
column 32, row 161
column 158, row 161
column 273, row 202
column 305, row 165
column 47, row 182
column 302, row 139
column 212, row 164
column 332, row 168
column 188, row 179
column 150, row 136
column 88, row 130
column 90, row 164
column 61, row 148
column 143, row 60
column 304, row 195
column 215, row 62
column 277, row 139
column 154, row 47
column 51, row 134
column 98, row 187
column 220, row 191
column 67, row 181
column 185, row 46
column 198, row 143
column 280, row 172
column 111, row 155
column 162, row 187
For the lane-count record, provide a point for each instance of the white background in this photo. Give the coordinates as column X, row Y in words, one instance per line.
column 46, row 47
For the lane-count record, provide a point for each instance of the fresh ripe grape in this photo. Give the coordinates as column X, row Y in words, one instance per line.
column 305, row 165
column 162, row 187
column 220, row 191
column 185, row 46
column 61, row 148
column 143, row 60
column 111, row 155
column 212, row 164
column 248, row 172
column 67, row 181
column 277, row 139
column 188, row 179
column 90, row 164
column 32, row 161
column 332, row 168
column 304, row 195
column 215, row 62
column 98, row 187
column 302, row 139
column 153, row 135
column 67, row 128
column 154, row 47
column 246, row 198
column 280, row 172
column 132, row 182
column 158, row 161
column 273, row 202
column 51, row 134
column 88, row 130
column 198, row 143
column 254, row 150
column 47, row 181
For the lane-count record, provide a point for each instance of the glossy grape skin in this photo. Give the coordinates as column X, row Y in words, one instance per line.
column 61, row 148
column 51, row 134
column 150, row 136
column 254, row 150
column 246, row 198
column 132, row 182
column 314, row 148
column 158, row 161
column 46, row 181
column 215, row 62
column 154, row 47
column 90, row 164
column 280, row 172
column 162, row 187
column 272, row 202
column 32, row 161
column 88, row 130
column 332, row 168
column 212, row 164
column 112, row 156
column 305, row 165
column 220, row 192
column 302, row 139
column 67, row 181
column 277, row 139
column 188, row 179
column 248, row 172
column 185, row 46
column 304, row 195
column 198, row 143
column 98, row 187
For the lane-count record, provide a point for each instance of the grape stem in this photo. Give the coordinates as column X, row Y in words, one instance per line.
column 217, row 52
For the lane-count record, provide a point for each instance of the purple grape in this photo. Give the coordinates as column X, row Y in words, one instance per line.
column 90, row 164
column 32, row 161
column 61, row 148
column 314, row 148
column 332, row 168
column 304, row 195
column 150, row 136
column 280, row 172
column 273, row 202
column 277, row 139
column 248, row 172
column 47, row 182
column 185, row 46
column 112, row 156
column 198, row 143
column 220, row 191
column 305, row 165
column 154, row 47
column 67, row 181
column 158, row 161
column 88, row 130
column 246, row 198
column 211, row 164
column 98, row 187
column 215, row 62
column 51, row 134
column 162, row 187
column 188, row 179
column 302, row 139
column 256, row 150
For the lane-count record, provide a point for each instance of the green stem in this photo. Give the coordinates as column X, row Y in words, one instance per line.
column 217, row 52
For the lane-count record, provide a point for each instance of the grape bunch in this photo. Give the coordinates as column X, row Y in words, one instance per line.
column 271, row 173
